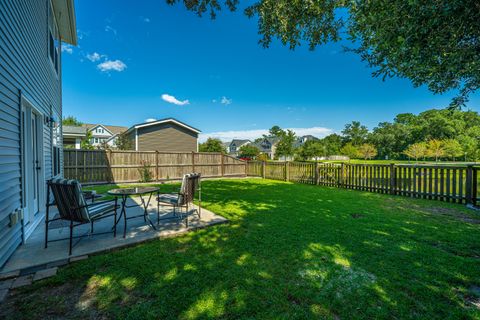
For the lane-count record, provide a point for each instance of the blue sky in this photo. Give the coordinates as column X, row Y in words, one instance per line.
column 144, row 60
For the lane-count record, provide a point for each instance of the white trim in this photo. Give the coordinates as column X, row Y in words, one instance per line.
column 99, row 125
column 148, row 124
column 32, row 226
column 65, row 11
column 29, row 226
column 136, row 139
column 73, row 135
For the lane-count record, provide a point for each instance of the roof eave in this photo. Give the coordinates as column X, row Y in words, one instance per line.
column 147, row 124
column 64, row 11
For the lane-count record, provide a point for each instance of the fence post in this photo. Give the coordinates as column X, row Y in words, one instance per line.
column 263, row 169
column 156, row 165
column 392, row 178
column 76, row 164
column 193, row 161
column 342, row 175
column 109, row 165
column 85, row 174
column 222, row 163
column 317, row 180
column 246, row 168
column 287, row 173
column 474, row 186
column 469, row 185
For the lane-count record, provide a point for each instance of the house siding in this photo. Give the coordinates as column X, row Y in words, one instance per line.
column 25, row 70
column 166, row 137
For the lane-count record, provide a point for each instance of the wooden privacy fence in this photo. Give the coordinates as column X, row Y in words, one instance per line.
column 458, row 184
column 105, row 166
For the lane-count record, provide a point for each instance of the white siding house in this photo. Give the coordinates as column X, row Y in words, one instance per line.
column 31, row 33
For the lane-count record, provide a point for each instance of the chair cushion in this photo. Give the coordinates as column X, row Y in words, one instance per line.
column 68, row 201
column 97, row 210
column 169, row 198
column 80, row 198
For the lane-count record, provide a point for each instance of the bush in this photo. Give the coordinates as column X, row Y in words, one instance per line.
column 144, row 171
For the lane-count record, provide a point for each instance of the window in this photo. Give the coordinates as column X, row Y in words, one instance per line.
column 53, row 41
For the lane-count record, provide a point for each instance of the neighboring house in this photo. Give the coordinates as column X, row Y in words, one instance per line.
column 31, row 33
column 301, row 140
column 235, row 145
column 166, row 135
column 226, row 146
column 104, row 134
column 267, row 146
column 306, row 138
column 73, row 136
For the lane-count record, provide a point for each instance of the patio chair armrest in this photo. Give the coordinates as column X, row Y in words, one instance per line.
column 169, row 193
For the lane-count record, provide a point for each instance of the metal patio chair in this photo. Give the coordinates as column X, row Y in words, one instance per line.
column 183, row 198
column 72, row 206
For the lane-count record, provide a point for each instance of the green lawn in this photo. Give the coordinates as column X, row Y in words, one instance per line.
column 291, row 251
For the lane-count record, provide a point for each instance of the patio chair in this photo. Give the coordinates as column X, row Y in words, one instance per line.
column 72, row 206
column 183, row 198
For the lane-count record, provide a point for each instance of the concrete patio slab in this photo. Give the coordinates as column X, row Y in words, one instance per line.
column 32, row 256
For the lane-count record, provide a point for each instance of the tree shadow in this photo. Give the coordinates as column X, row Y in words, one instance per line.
column 290, row 251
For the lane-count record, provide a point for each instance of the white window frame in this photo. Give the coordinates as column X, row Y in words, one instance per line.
column 55, row 64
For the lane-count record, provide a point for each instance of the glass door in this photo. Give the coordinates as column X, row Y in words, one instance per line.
column 31, row 162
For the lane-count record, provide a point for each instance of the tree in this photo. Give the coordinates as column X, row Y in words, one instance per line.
column 391, row 139
column 285, row 145
column 311, row 149
column 275, row 132
column 263, row 157
column 86, row 143
column 349, row 150
column 355, row 132
column 212, row 145
column 367, row 151
column 432, row 43
column 124, row 142
column 452, row 148
column 470, row 147
column 248, row 151
column 416, row 150
column 332, row 144
column 435, row 149
column 71, row 121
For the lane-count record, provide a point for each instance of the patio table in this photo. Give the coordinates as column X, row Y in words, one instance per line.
column 124, row 193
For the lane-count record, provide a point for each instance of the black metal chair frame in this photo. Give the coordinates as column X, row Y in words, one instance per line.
column 192, row 184
column 74, row 215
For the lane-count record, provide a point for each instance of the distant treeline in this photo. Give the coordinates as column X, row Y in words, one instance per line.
column 433, row 134
column 437, row 134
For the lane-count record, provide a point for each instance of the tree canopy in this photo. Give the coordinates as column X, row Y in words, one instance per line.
column 248, row 151
column 71, row 121
column 433, row 43
column 285, row 146
column 212, row 145
column 434, row 134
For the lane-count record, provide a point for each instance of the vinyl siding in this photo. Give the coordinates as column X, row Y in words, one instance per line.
column 166, row 137
column 25, row 69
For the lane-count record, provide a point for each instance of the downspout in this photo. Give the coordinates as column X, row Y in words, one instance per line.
column 136, row 139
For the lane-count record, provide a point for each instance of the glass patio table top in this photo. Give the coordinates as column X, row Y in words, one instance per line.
column 132, row 191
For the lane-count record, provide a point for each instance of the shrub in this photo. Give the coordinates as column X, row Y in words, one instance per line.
column 144, row 171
